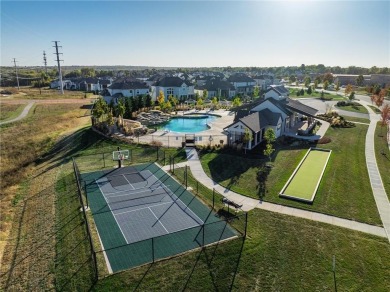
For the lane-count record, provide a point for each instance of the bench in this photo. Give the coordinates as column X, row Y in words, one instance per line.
column 228, row 202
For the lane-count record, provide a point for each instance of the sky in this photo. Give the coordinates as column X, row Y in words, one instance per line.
column 197, row 33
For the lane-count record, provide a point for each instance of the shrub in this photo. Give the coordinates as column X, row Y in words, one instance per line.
column 156, row 143
column 324, row 140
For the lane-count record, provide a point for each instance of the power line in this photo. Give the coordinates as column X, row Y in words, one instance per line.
column 16, row 72
column 58, row 63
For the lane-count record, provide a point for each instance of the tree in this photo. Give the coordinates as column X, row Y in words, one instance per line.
column 325, row 85
column 270, row 137
column 316, row 83
column 173, row 100
column 215, row 101
column 385, row 115
column 236, row 101
column 337, row 86
column 247, row 137
column 348, row 89
column 88, row 72
column 292, row 79
column 328, row 77
column 141, row 103
column 268, row 151
column 302, row 92
column 352, row 96
column 256, row 91
column 205, row 94
column 148, row 101
column 100, row 108
column 110, row 119
column 129, row 108
column 307, row 81
column 360, row 80
column 199, row 103
column 309, row 91
column 121, row 108
column 161, row 98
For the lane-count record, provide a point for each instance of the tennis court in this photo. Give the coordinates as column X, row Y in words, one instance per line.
column 142, row 214
column 304, row 181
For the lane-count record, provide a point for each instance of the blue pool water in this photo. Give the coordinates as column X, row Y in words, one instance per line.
column 189, row 124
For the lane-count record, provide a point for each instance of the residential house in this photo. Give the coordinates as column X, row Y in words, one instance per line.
column 216, row 87
column 174, row 86
column 242, row 83
column 128, row 88
column 277, row 92
column 282, row 114
column 263, row 81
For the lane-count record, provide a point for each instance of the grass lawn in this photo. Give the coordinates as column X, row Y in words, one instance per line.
column 383, row 161
column 375, row 109
column 10, row 111
column 281, row 253
column 353, row 108
column 360, row 120
column 315, row 94
column 304, row 183
column 344, row 191
column 47, row 93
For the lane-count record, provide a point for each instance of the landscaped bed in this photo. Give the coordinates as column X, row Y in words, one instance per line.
column 304, row 181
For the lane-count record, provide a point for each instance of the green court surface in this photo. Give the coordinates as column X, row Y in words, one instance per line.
column 304, row 183
column 121, row 255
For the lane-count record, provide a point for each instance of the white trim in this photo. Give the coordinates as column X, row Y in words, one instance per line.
column 282, row 194
column 129, row 211
column 128, row 182
column 158, row 220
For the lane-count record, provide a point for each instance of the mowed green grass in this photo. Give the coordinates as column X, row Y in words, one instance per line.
column 305, row 181
column 344, row 191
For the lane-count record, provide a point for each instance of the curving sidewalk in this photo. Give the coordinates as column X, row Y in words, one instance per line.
column 380, row 196
column 250, row 203
column 22, row 115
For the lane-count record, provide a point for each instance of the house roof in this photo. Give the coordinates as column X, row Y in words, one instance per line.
column 129, row 84
column 239, row 77
column 279, row 89
column 253, row 121
column 269, row 118
column 172, row 82
column 216, row 84
column 280, row 105
column 301, row 108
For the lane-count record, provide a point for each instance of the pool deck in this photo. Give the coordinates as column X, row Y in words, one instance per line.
column 174, row 139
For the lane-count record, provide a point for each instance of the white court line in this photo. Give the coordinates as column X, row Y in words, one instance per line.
column 159, row 220
column 129, row 192
column 113, row 215
column 128, row 182
column 178, row 199
column 124, row 212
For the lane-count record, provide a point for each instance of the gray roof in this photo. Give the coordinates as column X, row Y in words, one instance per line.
column 282, row 105
column 301, row 108
column 172, row 82
column 252, row 121
column 269, row 118
column 129, row 84
column 216, row 84
column 280, row 89
column 239, row 77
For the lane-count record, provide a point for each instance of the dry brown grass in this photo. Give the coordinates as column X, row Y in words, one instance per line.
column 22, row 143
column 44, row 93
column 10, row 111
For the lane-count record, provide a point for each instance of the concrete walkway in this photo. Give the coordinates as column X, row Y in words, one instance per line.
column 22, row 115
column 381, row 199
column 250, row 203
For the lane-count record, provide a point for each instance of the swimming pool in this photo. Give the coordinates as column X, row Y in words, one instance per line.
column 189, row 123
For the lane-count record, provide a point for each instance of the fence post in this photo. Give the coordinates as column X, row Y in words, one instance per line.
column 203, row 235
column 186, row 177
column 157, row 153
column 164, row 157
column 86, row 193
column 197, row 188
column 246, row 223
column 104, row 161
column 131, row 155
column 153, row 249
column 170, row 163
column 213, row 199
column 173, row 164
column 96, row 267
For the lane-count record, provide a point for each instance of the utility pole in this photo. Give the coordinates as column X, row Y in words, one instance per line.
column 59, row 66
column 45, row 61
column 16, row 72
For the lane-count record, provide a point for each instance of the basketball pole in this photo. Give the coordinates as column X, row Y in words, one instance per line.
column 119, row 159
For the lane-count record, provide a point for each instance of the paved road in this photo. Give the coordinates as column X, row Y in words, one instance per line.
column 22, row 115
